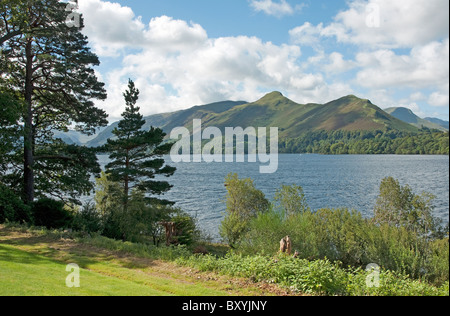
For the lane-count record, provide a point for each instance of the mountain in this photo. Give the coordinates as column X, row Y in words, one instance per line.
column 406, row 115
column 349, row 113
column 74, row 137
column 168, row 121
column 444, row 124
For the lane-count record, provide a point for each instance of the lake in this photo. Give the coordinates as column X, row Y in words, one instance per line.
column 350, row 181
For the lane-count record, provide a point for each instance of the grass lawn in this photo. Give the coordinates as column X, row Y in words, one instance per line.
column 33, row 264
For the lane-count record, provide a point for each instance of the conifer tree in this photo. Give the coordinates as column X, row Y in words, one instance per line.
column 136, row 154
column 49, row 64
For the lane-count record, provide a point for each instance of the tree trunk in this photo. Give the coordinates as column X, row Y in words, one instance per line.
column 126, row 187
column 28, row 128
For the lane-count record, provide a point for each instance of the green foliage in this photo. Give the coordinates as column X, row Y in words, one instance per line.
column 10, row 113
column 409, row 242
column 186, row 225
column 50, row 64
column 347, row 237
column 136, row 154
column 12, row 209
column 317, row 277
column 291, row 200
column 87, row 219
column 398, row 206
column 244, row 202
column 64, row 171
column 141, row 220
column 429, row 142
column 232, row 228
column 51, row 214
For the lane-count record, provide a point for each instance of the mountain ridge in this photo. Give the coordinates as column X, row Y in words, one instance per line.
column 408, row 116
column 348, row 113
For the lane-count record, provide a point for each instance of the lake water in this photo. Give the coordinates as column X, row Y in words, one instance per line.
column 328, row 181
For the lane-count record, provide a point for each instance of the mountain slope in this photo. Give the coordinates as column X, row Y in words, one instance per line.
column 168, row 121
column 349, row 113
column 444, row 124
column 406, row 115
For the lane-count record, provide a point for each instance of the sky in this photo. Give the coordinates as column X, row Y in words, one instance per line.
column 182, row 53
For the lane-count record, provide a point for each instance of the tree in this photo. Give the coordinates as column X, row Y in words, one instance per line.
column 10, row 110
column 398, row 206
column 137, row 154
column 50, row 65
column 141, row 221
column 12, row 20
column 244, row 202
column 292, row 200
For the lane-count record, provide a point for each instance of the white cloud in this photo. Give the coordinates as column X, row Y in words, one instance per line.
column 173, row 35
column 110, row 26
column 277, row 9
column 382, row 24
column 176, row 65
column 338, row 64
column 307, row 34
column 426, row 66
column 439, row 98
column 402, row 23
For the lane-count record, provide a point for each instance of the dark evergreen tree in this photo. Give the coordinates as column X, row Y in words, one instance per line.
column 10, row 109
column 136, row 154
column 50, row 64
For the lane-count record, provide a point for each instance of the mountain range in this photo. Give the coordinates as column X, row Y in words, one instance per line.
column 408, row 116
column 348, row 113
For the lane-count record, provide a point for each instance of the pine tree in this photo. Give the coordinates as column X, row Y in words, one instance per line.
column 50, row 65
column 136, row 154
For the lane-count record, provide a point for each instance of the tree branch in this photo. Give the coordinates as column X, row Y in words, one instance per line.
column 9, row 35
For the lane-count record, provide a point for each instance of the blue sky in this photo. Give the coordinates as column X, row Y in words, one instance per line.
column 183, row 53
column 236, row 17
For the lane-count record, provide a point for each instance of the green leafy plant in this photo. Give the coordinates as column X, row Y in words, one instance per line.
column 51, row 214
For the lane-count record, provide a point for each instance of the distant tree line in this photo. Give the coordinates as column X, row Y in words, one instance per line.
column 424, row 142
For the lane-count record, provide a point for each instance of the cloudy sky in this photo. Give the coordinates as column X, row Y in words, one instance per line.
column 182, row 53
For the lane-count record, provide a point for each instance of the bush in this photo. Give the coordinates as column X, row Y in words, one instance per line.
column 87, row 219
column 51, row 214
column 186, row 226
column 12, row 209
column 244, row 202
column 345, row 236
column 321, row 277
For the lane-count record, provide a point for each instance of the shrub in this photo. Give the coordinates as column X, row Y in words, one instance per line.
column 398, row 206
column 291, row 200
column 51, row 214
column 87, row 219
column 12, row 209
column 345, row 236
column 244, row 202
column 186, row 226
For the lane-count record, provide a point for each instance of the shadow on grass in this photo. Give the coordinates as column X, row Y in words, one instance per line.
column 11, row 254
column 44, row 249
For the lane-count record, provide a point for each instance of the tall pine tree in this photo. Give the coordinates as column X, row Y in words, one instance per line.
column 50, row 64
column 136, row 154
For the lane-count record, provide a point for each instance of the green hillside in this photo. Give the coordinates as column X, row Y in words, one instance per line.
column 444, row 124
column 406, row 115
column 349, row 113
column 168, row 121
column 274, row 110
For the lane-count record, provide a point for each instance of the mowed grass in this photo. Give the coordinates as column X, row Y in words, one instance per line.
column 35, row 265
column 26, row 274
